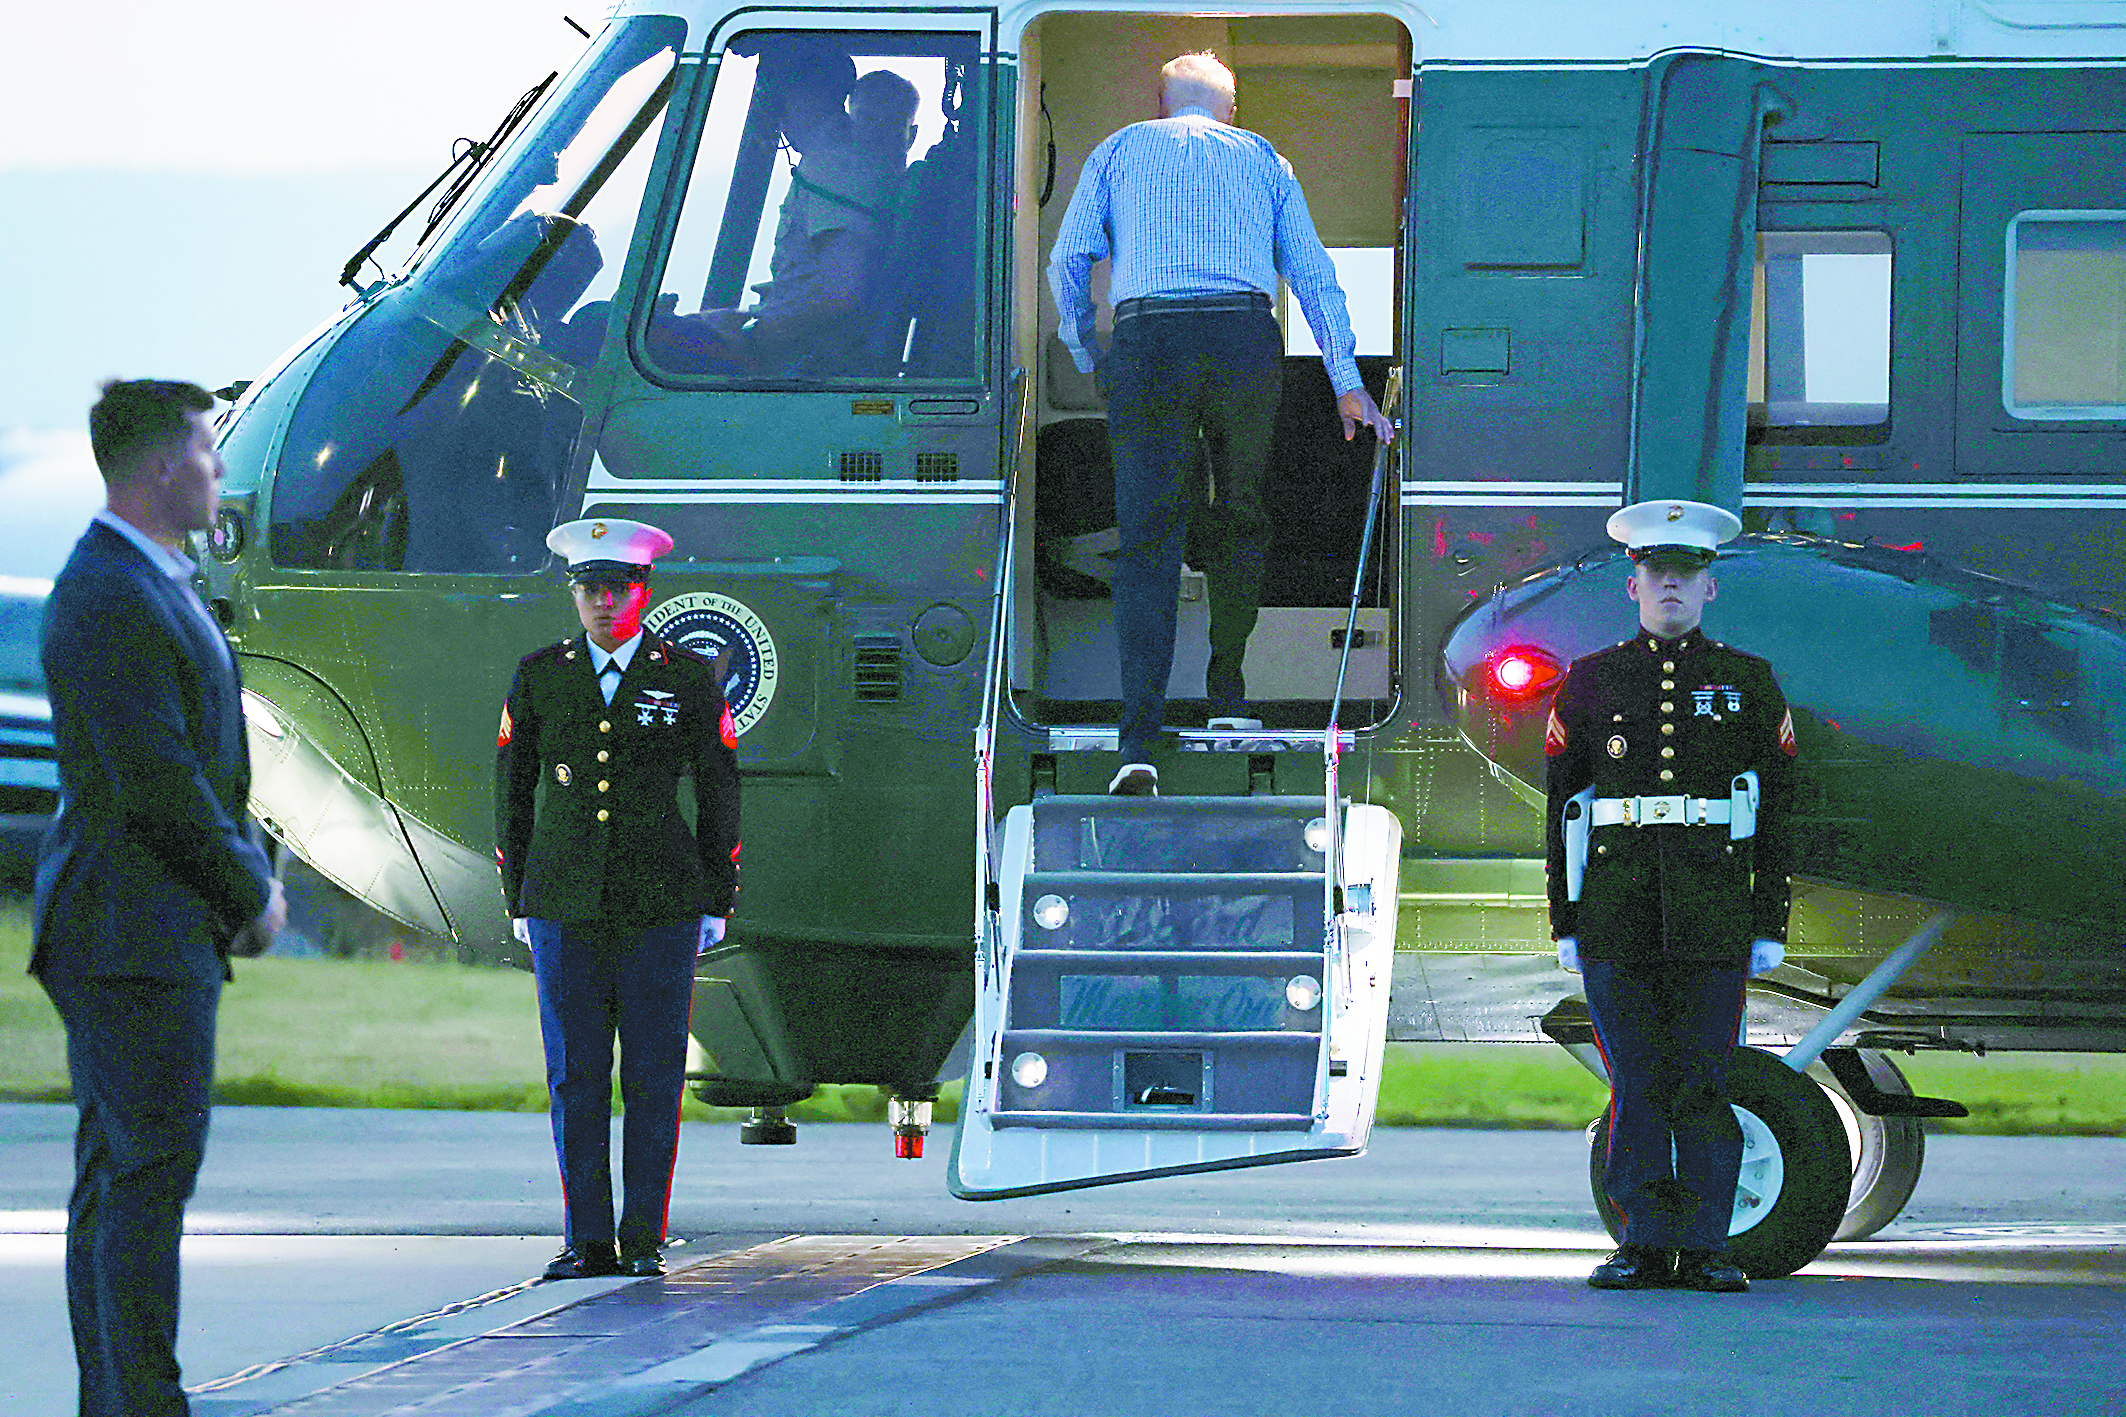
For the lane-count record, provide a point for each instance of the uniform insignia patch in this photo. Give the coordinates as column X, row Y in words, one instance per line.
column 502, row 738
column 1702, row 702
column 657, row 705
column 1554, row 735
column 729, row 729
column 1616, row 746
column 561, row 773
column 1786, row 734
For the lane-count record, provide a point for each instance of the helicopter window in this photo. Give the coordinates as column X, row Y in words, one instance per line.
column 2065, row 351
column 438, row 433
column 1820, row 338
column 831, row 227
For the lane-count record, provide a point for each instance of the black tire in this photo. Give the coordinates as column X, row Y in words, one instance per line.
column 1795, row 1168
column 1888, row 1152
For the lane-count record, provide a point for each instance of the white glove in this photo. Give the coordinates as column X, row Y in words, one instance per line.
column 1765, row 955
column 521, row 928
column 1569, row 954
column 712, row 927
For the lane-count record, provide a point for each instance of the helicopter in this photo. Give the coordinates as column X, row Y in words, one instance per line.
column 1855, row 274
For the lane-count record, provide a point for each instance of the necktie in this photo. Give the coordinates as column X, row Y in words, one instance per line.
column 609, row 680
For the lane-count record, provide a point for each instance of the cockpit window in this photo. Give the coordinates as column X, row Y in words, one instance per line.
column 438, row 433
column 830, row 231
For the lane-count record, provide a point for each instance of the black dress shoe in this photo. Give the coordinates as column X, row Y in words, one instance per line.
column 1710, row 1270
column 588, row 1261
column 1633, row 1267
column 641, row 1264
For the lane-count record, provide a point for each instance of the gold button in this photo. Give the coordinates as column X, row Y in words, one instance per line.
column 1665, row 728
column 1665, row 752
column 1668, row 666
column 602, row 786
column 1668, row 683
column 1667, row 776
column 1601, row 851
column 1668, row 706
column 605, row 725
column 603, row 755
column 603, row 814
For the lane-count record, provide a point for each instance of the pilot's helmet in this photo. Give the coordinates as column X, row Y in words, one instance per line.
column 608, row 551
column 1685, row 535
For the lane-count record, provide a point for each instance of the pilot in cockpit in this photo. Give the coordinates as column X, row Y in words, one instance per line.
column 852, row 136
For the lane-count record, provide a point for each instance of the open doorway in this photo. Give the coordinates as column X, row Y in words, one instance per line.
column 1330, row 92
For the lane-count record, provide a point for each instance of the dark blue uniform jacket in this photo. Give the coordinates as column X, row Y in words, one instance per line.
column 587, row 818
column 1681, row 717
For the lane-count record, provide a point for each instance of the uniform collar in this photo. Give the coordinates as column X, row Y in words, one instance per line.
column 1690, row 640
column 623, row 656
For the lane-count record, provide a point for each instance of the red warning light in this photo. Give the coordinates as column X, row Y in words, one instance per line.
column 1521, row 672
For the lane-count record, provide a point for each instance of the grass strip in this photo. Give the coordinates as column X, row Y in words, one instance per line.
column 407, row 1034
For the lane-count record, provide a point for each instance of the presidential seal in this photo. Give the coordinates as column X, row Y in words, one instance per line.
column 729, row 636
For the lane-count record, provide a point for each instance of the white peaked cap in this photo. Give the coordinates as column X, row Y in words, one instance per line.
column 1646, row 527
column 607, row 546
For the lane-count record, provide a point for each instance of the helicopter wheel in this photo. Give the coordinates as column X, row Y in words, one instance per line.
column 1791, row 1196
column 1887, row 1152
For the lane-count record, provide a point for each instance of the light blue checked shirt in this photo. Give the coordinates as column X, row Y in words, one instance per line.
column 1187, row 205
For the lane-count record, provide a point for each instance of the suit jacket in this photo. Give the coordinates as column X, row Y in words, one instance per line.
column 1660, row 718
column 150, row 867
column 607, row 841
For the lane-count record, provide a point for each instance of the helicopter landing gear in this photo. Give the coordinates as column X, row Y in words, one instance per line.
column 1791, row 1196
column 768, row 1126
column 908, row 1108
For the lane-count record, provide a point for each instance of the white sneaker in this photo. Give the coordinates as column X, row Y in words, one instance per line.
column 1135, row 780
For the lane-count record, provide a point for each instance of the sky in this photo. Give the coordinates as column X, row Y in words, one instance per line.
column 180, row 186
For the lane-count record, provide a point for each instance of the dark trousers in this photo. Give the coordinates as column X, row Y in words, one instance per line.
column 1666, row 1032
column 140, row 1054
column 1186, row 391
column 596, row 982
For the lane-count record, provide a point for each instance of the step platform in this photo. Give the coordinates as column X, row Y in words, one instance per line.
column 1171, row 986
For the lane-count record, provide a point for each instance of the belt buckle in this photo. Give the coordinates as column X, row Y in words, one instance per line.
column 1660, row 809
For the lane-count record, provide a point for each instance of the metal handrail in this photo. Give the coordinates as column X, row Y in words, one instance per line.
column 1332, row 751
column 995, row 671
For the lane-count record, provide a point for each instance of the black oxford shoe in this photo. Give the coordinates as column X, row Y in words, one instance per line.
column 588, row 1261
column 641, row 1264
column 1711, row 1271
column 1633, row 1267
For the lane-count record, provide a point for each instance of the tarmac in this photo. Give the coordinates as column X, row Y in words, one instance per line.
column 358, row 1263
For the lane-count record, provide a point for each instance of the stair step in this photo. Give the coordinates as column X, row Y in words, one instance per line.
column 1159, row 1038
column 1170, row 884
column 1177, row 1120
column 1242, row 962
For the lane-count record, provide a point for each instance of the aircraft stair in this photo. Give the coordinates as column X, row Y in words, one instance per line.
column 1174, row 984
column 1178, row 984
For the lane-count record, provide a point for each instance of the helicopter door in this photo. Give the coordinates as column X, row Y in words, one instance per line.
column 1172, row 987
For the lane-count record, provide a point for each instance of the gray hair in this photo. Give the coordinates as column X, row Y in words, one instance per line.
column 1198, row 80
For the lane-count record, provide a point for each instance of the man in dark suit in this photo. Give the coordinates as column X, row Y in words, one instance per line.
column 148, row 879
column 609, row 887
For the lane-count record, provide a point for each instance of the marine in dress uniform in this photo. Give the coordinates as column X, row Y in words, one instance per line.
column 607, row 884
column 1668, row 840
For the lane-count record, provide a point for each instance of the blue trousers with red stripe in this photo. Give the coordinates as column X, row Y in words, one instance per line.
column 596, row 982
column 1666, row 1032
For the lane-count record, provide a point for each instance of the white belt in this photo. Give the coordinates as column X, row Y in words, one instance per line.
column 1662, row 811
